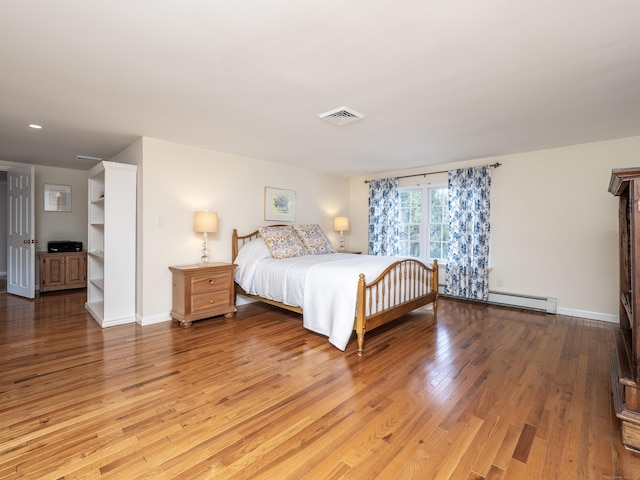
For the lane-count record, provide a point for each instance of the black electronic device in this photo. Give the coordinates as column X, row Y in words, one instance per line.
column 64, row 246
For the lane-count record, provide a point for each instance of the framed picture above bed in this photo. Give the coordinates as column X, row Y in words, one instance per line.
column 279, row 205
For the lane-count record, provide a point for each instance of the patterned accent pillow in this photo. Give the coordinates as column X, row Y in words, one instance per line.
column 282, row 241
column 314, row 239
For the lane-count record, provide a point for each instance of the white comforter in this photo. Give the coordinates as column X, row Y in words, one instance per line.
column 330, row 293
column 325, row 286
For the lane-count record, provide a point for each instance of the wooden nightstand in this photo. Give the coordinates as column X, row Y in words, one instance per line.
column 202, row 292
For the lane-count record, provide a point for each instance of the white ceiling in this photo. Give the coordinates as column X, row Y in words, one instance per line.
column 437, row 80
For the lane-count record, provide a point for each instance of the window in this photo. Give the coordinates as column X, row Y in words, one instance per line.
column 410, row 223
column 424, row 222
column 438, row 223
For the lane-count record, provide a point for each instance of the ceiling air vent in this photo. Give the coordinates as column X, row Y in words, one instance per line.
column 341, row 115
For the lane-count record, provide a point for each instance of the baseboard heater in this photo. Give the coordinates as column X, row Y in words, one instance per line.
column 541, row 304
column 528, row 302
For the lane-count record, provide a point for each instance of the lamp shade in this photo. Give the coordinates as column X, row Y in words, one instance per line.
column 341, row 224
column 205, row 222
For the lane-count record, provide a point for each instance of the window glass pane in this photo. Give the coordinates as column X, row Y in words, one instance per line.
column 410, row 222
column 435, row 250
column 436, row 212
column 445, row 205
column 437, row 206
column 435, row 233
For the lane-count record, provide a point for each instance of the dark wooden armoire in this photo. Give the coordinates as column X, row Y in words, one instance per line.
column 625, row 358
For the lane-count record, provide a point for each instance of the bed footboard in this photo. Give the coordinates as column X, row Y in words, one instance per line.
column 401, row 288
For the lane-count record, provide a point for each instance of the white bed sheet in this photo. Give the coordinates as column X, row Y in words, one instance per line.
column 330, row 294
column 283, row 279
column 325, row 286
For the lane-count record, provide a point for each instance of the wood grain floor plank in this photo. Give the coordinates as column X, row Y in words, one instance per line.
column 480, row 392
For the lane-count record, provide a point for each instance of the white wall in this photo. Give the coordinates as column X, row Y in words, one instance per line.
column 178, row 180
column 555, row 227
column 61, row 225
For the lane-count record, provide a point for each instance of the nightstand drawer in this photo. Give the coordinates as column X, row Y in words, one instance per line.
column 211, row 282
column 209, row 301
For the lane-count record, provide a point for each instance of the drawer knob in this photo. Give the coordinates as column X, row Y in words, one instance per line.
column 210, row 301
column 211, row 281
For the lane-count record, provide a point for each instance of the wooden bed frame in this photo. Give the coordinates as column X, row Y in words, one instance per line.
column 401, row 288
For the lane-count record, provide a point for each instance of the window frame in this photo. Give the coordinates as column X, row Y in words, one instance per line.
column 425, row 224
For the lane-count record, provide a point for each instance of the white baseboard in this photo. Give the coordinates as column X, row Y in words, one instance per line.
column 548, row 305
column 150, row 320
column 603, row 317
column 242, row 300
column 115, row 321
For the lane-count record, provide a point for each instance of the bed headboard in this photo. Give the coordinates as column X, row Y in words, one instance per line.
column 237, row 241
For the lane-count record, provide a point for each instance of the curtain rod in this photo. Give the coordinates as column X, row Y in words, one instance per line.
column 493, row 165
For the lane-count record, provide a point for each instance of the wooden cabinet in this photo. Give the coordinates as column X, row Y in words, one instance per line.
column 111, row 249
column 62, row 271
column 625, row 358
column 202, row 292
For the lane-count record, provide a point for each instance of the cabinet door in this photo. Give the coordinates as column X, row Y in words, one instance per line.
column 53, row 273
column 75, row 271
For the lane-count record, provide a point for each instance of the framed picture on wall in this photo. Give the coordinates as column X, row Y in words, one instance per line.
column 279, row 205
column 57, row 198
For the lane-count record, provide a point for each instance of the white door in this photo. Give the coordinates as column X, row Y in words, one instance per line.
column 21, row 248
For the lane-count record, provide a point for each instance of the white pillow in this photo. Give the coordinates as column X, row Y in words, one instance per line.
column 248, row 258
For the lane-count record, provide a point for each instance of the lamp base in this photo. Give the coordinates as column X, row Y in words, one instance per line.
column 204, row 259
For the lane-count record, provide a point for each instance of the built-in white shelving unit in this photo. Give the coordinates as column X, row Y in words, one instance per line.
column 111, row 249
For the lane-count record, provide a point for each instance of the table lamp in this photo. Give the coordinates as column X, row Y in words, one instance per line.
column 205, row 222
column 341, row 224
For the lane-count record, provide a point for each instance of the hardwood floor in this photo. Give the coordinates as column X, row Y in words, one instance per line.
column 484, row 392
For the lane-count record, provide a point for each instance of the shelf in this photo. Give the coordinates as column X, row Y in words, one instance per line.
column 112, row 227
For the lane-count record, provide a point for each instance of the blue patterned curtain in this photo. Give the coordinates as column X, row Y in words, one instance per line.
column 467, row 273
column 383, row 216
